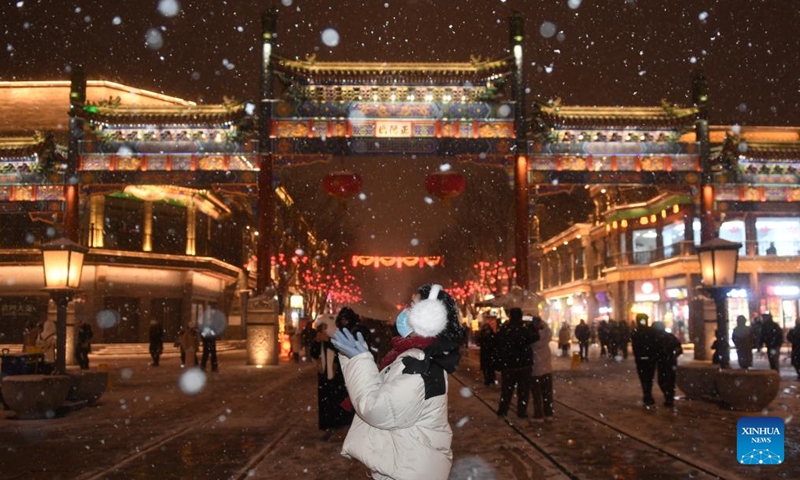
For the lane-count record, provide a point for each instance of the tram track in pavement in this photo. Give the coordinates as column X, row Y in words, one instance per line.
column 559, row 445
column 145, row 459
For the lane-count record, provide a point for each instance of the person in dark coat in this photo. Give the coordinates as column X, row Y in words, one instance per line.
column 794, row 338
column 209, row 338
column 486, row 340
column 307, row 337
column 758, row 339
column 773, row 339
column 667, row 352
column 513, row 343
column 333, row 404
column 83, row 345
column 644, row 352
column 742, row 337
column 583, row 333
column 156, row 336
column 604, row 335
column 623, row 337
column 716, row 357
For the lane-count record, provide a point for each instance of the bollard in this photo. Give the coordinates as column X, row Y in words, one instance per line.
column 103, row 367
column 576, row 360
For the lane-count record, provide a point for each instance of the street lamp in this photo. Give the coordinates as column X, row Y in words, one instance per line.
column 718, row 263
column 63, row 263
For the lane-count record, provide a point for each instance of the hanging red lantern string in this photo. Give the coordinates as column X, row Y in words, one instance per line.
column 445, row 185
column 342, row 185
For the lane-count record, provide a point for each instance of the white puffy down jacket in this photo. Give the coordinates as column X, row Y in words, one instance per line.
column 396, row 433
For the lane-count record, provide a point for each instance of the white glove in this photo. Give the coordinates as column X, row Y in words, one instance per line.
column 349, row 346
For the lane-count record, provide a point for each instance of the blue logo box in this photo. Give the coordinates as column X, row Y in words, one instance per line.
column 759, row 440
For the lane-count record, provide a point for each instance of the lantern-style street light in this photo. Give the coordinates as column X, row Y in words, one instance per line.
column 63, row 264
column 719, row 259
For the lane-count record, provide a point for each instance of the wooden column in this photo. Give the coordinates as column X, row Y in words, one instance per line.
column 77, row 97
column 97, row 209
column 266, row 197
column 147, row 227
column 191, row 229
column 521, row 227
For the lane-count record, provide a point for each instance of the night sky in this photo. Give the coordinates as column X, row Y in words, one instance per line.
column 609, row 52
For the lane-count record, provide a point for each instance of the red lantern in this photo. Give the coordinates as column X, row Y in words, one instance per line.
column 342, row 185
column 445, row 185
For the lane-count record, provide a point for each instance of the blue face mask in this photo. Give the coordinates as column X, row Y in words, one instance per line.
column 402, row 324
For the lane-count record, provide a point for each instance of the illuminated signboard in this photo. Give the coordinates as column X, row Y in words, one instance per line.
column 392, row 129
column 645, row 292
column 784, row 290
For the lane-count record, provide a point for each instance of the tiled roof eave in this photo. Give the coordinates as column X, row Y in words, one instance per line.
column 370, row 72
column 163, row 118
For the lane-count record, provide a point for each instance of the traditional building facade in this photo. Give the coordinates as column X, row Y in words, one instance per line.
column 637, row 252
column 162, row 191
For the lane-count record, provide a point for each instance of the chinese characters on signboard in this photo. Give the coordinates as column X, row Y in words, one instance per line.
column 392, row 129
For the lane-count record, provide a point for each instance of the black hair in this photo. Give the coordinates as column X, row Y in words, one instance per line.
column 347, row 313
column 453, row 331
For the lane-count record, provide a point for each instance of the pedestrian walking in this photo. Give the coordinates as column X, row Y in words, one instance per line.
column 30, row 336
column 47, row 342
column 485, row 338
column 604, row 334
column 644, row 353
column 209, row 338
column 307, row 338
column 757, row 325
column 190, row 342
column 623, row 338
column 513, row 342
column 331, row 390
column 582, row 333
column 773, row 339
column 716, row 348
column 83, row 345
column 613, row 339
column 156, row 336
column 743, row 340
column 402, row 429
column 668, row 349
column 794, row 338
column 178, row 344
column 542, row 372
column 564, row 335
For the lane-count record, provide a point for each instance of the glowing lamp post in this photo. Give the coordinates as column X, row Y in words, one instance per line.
column 718, row 263
column 63, row 264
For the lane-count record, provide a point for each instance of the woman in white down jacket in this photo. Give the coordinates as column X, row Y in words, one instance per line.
column 401, row 430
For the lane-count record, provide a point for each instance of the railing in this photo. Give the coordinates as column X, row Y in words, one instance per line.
column 780, row 248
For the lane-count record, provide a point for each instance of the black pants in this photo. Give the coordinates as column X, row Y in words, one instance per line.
column 82, row 357
column 646, row 369
column 584, row 348
column 521, row 379
column 209, row 349
column 774, row 356
column 155, row 352
column 666, row 380
column 542, row 395
column 487, row 367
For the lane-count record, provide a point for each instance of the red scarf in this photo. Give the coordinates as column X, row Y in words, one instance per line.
column 399, row 345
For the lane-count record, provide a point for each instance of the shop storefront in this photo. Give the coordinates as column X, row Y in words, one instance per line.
column 676, row 310
column 646, row 299
column 782, row 302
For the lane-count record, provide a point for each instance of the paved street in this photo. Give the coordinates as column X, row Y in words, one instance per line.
column 256, row 423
